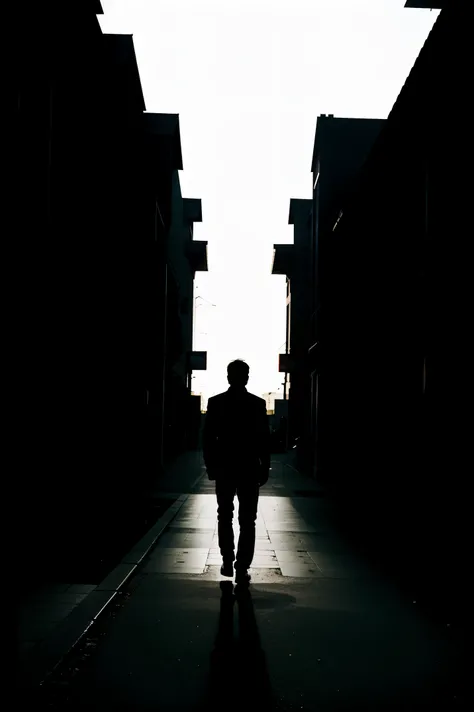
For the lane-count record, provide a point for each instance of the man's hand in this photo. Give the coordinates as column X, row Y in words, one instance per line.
column 263, row 476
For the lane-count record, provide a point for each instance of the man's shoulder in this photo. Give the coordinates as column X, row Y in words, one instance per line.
column 250, row 398
column 257, row 401
column 215, row 400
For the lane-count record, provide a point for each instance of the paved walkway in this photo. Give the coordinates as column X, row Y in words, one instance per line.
column 41, row 610
column 319, row 629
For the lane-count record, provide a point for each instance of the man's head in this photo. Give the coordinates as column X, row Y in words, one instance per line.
column 238, row 373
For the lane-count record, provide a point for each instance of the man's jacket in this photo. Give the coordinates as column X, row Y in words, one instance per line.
column 236, row 438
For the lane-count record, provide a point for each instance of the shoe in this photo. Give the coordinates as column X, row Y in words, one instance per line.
column 242, row 577
column 227, row 569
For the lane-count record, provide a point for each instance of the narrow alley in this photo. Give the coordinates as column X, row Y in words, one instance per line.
column 318, row 629
column 210, row 197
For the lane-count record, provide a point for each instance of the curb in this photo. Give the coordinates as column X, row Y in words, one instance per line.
column 198, row 479
column 49, row 654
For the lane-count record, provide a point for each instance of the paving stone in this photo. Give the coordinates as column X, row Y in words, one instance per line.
column 300, row 569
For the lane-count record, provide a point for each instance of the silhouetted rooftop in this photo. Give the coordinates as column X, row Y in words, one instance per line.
column 59, row 7
column 428, row 4
column 361, row 133
column 411, row 102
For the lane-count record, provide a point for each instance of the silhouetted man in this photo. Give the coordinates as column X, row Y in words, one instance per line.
column 236, row 449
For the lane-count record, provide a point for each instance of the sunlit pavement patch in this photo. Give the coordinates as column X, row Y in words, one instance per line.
column 190, row 545
column 259, row 576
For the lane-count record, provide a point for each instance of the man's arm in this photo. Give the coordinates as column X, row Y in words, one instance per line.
column 264, row 443
column 209, row 437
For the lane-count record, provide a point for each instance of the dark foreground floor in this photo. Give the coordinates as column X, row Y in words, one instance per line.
column 319, row 628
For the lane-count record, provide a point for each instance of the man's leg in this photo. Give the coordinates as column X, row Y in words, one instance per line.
column 247, row 493
column 225, row 493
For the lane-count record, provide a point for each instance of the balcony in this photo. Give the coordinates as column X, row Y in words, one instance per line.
column 192, row 210
column 300, row 211
column 283, row 257
column 196, row 252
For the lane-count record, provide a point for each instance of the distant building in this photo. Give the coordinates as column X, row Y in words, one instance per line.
column 270, row 399
column 292, row 260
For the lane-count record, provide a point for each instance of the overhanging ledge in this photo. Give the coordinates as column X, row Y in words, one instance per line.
column 196, row 252
column 283, row 259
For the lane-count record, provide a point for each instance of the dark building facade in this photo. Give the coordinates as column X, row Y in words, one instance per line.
column 161, row 159
column 98, row 309
column 396, row 300
column 340, row 148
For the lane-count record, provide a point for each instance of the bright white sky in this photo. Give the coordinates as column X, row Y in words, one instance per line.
column 248, row 79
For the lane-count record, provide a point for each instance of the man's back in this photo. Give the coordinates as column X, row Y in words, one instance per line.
column 236, row 431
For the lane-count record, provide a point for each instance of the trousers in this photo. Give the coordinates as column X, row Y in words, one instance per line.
column 247, row 494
